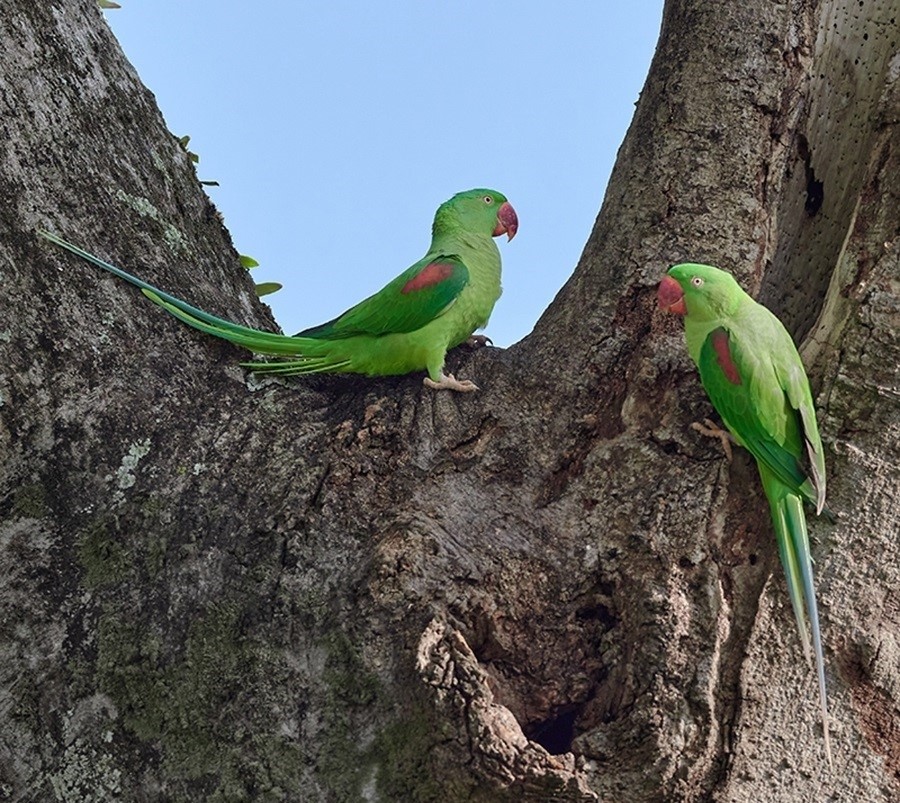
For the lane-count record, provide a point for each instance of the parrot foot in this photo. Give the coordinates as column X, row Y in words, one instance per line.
column 450, row 382
column 479, row 341
column 710, row 430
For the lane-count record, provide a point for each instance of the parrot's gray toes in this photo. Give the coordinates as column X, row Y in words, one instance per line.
column 710, row 430
column 450, row 382
column 479, row 341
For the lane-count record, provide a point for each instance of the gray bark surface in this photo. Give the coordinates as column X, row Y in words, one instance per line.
column 341, row 589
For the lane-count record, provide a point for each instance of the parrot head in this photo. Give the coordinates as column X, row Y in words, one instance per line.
column 701, row 291
column 480, row 210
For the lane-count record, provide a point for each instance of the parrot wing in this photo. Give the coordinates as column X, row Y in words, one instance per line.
column 416, row 297
column 766, row 403
column 793, row 380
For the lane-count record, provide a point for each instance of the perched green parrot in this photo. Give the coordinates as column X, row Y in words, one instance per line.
column 408, row 325
column 753, row 376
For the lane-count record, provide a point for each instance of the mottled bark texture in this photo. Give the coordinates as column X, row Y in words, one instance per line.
column 341, row 589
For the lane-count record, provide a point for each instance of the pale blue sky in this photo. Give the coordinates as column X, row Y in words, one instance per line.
column 335, row 129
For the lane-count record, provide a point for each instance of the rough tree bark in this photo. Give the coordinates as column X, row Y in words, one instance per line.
column 344, row 589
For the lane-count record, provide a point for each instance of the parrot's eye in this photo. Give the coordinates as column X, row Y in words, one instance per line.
column 488, row 200
column 697, row 281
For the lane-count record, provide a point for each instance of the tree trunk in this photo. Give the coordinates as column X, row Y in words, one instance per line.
column 340, row 589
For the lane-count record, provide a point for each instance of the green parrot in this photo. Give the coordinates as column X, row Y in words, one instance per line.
column 753, row 376
column 408, row 325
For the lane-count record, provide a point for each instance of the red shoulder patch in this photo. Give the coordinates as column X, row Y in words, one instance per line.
column 433, row 273
column 719, row 338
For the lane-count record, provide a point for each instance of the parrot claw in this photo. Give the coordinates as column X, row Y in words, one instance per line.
column 710, row 430
column 479, row 341
column 450, row 382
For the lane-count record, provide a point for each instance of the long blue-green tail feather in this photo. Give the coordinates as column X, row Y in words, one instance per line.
column 789, row 521
column 196, row 313
column 796, row 519
column 252, row 339
column 793, row 575
column 265, row 343
column 311, row 365
column 313, row 356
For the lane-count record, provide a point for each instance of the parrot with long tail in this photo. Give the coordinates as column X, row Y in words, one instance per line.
column 753, row 375
column 409, row 325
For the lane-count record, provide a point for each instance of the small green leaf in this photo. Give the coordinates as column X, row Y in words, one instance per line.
column 249, row 262
column 183, row 141
column 267, row 288
column 107, row 4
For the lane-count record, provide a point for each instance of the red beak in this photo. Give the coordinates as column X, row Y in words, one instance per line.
column 507, row 222
column 670, row 296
